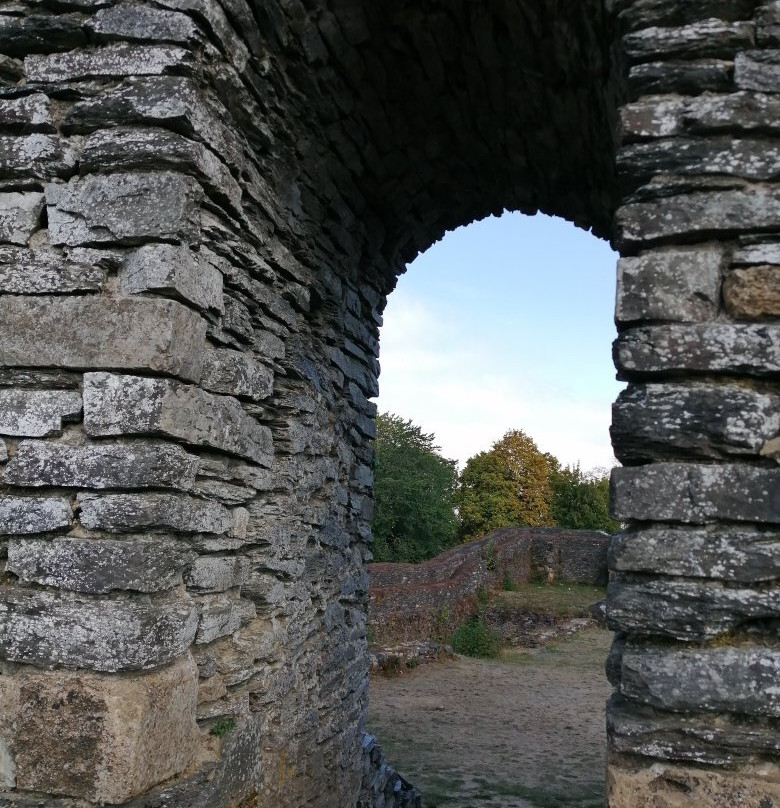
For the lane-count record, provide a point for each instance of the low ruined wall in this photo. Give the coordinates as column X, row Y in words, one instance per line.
column 420, row 601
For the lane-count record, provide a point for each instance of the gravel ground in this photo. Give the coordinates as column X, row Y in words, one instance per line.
column 522, row 731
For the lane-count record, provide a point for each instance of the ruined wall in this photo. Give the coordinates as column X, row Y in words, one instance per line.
column 203, row 205
column 429, row 600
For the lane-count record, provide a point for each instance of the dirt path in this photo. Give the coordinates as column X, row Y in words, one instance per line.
column 523, row 731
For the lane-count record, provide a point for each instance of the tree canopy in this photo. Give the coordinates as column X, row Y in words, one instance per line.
column 508, row 485
column 580, row 501
column 414, row 493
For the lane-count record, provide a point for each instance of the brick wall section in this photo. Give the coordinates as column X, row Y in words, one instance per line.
column 428, row 600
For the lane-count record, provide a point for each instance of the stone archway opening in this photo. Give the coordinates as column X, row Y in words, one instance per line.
column 203, row 207
column 469, row 337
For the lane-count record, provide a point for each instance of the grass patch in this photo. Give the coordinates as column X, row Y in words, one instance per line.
column 473, row 638
column 544, row 796
column 560, row 599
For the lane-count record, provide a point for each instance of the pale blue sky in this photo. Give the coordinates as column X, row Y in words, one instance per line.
column 506, row 323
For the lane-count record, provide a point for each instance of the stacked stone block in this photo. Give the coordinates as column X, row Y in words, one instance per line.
column 694, row 597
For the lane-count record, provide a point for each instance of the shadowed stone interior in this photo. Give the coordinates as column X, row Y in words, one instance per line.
column 203, row 206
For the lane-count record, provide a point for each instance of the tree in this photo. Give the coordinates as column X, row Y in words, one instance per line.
column 508, row 485
column 580, row 500
column 414, row 493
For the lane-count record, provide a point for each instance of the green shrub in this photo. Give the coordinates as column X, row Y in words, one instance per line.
column 508, row 583
column 222, row 727
column 473, row 638
column 483, row 596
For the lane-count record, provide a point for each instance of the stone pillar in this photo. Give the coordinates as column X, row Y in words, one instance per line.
column 694, row 598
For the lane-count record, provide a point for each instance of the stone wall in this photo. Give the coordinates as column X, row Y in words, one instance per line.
column 428, row 600
column 203, row 206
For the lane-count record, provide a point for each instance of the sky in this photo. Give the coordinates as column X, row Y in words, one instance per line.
column 506, row 324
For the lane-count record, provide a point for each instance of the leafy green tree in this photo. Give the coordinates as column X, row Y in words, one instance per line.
column 508, row 485
column 580, row 500
column 414, row 493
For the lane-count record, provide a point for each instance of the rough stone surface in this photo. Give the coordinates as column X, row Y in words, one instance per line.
column 696, row 494
column 660, row 421
column 217, row 573
column 157, row 335
column 24, row 272
column 118, row 737
column 175, row 270
column 99, row 566
column 753, row 294
column 630, row 785
column 718, row 348
column 49, row 630
column 112, row 60
column 222, row 616
column 27, row 113
column 37, row 413
column 122, row 405
column 718, row 552
column 134, row 464
column 699, row 738
column 643, row 224
column 115, row 208
column 129, row 512
column 758, row 70
column 26, row 515
column 686, row 610
column 236, row 374
column 19, row 216
column 734, row 680
column 678, row 285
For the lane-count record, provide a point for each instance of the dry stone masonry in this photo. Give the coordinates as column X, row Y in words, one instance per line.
column 203, row 206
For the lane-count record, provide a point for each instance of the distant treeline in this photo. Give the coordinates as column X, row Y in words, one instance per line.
column 423, row 505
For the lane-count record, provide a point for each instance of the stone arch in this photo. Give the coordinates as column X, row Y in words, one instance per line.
column 202, row 208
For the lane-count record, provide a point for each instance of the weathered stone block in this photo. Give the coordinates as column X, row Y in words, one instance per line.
column 221, row 616
column 26, row 515
column 142, row 23
column 753, row 293
column 118, row 736
column 100, row 332
column 130, row 512
column 722, row 680
column 37, row 413
column 699, row 738
column 39, row 156
column 171, row 101
column 20, row 214
column 24, row 272
column 235, row 373
column 121, row 405
column 174, row 270
column 758, row 70
column 708, row 348
column 727, row 553
column 109, row 61
column 49, row 629
column 762, row 252
column 657, row 421
column 686, row 610
column 747, row 158
column 124, row 208
column 680, row 76
column 696, row 494
column 29, row 113
column 636, row 785
column 130, row 147
column 217, row 573
column 3, row 451
column 711, row 37
column 134, row 464
column 682, row 285
column 98, row 566
column 641, row 224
